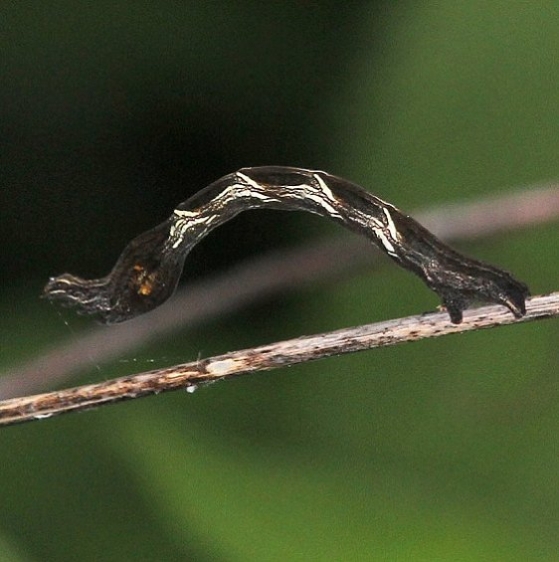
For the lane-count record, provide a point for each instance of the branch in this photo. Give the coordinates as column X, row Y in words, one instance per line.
column 273, row 274
column 267, row 357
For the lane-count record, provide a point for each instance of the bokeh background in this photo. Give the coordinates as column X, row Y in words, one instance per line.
column 112, row 113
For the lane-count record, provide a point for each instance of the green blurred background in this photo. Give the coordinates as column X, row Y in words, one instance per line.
column 111, row 113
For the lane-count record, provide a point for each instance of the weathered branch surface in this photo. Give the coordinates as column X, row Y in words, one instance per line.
column 272, row 274
column 264, row 358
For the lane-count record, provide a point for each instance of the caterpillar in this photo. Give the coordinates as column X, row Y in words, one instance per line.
column 147, row 272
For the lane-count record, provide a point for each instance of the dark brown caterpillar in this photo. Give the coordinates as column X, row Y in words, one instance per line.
column 148, row 270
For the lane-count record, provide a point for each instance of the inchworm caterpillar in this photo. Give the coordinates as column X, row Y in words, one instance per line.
column 148, row 270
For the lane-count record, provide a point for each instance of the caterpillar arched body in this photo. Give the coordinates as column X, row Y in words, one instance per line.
column 148, row 270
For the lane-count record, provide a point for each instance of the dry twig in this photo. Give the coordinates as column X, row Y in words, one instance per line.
column 263, row 358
